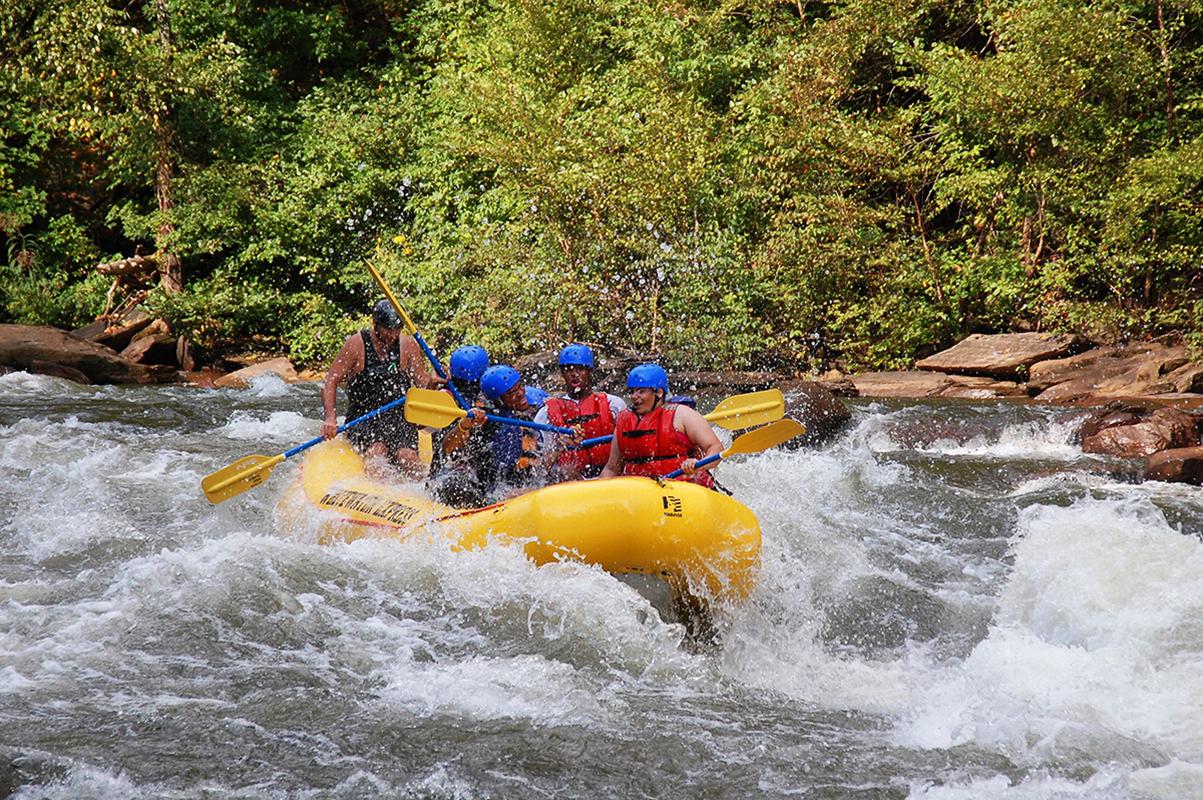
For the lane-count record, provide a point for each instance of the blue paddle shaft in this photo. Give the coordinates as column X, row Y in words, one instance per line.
column 539, row 426
column 438, row 368
column 351, row 424
column 707, row 460
column 596, row 440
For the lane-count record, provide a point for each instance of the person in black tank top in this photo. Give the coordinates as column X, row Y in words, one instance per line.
column 378, row 365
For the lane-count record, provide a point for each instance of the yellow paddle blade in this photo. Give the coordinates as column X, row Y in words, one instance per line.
column 245, row 473
column 748, row 410
column 410, row 328
column 431, row 407
column 425, row 446
column 770, row 435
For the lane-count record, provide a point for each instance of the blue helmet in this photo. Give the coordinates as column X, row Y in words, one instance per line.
column 385, row 316
column 469, row 362
column 577, row 355
column 536, row 396
column 648, row 376
column 499, row 379
column 684, row 400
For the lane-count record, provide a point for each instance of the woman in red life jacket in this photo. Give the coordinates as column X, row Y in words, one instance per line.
column 590, row 413
column 654, row 438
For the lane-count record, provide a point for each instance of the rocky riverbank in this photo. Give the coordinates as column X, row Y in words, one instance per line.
column 1145, row 400
column 1141, row 400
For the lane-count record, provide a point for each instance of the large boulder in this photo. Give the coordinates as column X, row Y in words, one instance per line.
column 1140, row 370
column 1163, row 429
column 1002, row 355
column 1180, row 465
column 1114, row 414
column 22, row 346
column 815, row 407
column 158, row 348
column 727, row 380
column 933, row 384
column 242, row 378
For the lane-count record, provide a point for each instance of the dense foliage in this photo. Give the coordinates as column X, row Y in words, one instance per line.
column 726, row 183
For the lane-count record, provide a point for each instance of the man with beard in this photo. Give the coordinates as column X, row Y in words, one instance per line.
column 590, row 412
column 378, row 366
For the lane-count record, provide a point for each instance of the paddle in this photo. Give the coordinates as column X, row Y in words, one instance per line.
column 754, row 441
column 433, row 408
column 425, row 446
column 250, row 471
column 735, row 413
column 412, row 330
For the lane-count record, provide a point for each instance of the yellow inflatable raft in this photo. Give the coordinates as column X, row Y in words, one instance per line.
column 697, row 539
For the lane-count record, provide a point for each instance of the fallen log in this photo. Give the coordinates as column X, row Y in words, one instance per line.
column 134, row 265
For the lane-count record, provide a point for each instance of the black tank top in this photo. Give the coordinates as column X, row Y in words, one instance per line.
column 381, row 381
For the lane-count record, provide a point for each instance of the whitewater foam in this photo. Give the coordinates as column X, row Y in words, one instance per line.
column 1096, row 649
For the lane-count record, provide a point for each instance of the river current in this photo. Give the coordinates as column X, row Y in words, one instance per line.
column 955, row 602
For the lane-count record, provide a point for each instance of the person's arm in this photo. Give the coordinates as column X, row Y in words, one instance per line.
column 348, row 362
column 613, row 467
column 554, row 444
column 462, row 428
column 694, row 425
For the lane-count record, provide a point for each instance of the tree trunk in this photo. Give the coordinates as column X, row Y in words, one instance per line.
column 170, row 270
column 927, row 254
column 1163, row 47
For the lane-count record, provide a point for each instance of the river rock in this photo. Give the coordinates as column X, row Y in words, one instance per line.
column 242, row 378
column 59, row 371
column 815, row 407
column 158, row 348
column 1114, row 414
column 1187, row 379
column 838, row 384
column 22, row 345
column 933, row 384
column 1163, row 429
column 1131, row 371
column 204, row 378
column 183, row 354
column 1003, row 355
column 1179, row 465
column 311, row 375
column 116, row 333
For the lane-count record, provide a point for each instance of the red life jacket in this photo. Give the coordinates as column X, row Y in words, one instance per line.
column 595, row 417
column 651, row 446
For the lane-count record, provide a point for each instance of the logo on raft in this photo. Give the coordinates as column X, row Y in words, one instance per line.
column 389, row 510
column 672, row 505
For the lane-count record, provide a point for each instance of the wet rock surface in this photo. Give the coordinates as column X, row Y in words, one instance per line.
column 1004, row 355
column 1160, row 429
column 242, row 378
column 1179, row 465
column 1146, row 391
column 815, row 407
column 38, row 348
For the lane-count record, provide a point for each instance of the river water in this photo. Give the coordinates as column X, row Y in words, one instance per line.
column 955, row 603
